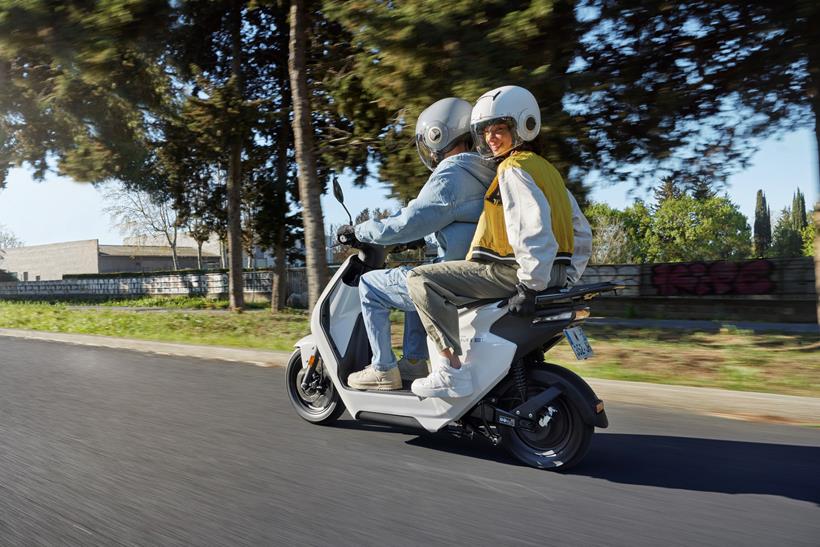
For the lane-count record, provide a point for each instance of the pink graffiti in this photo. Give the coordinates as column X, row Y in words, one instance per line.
column 715, row 278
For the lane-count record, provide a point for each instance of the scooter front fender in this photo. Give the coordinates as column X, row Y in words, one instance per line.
column 307, row 347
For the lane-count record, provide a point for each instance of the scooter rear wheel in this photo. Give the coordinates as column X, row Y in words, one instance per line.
column 561, row 438
column 316, row 407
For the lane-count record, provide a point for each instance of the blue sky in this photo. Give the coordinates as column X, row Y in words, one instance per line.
column 59, row 209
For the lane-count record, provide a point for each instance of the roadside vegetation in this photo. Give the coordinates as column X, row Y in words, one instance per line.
column 730, row 359
column 254, row 329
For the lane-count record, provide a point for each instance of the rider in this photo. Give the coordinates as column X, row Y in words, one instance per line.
column 448, row 205
column 531, row 236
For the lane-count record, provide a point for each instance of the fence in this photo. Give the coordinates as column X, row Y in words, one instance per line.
column 765, row 290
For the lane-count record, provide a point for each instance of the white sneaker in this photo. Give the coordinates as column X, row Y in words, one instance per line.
column 445, row 381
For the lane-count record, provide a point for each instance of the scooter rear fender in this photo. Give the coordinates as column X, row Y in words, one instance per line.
column 577, row 390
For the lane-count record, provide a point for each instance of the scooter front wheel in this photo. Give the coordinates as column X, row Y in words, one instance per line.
column 318, row 404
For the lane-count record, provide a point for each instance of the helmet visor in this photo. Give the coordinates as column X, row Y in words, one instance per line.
column 429, row 157
column 495, row 137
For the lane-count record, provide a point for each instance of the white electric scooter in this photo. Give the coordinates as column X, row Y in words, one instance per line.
column 542, row 413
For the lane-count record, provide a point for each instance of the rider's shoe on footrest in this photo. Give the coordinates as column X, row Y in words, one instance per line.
column 413, row 369
column 445, row 381
column 370, row 378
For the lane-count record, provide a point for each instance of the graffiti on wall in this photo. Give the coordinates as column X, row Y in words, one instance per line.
column 713, row 278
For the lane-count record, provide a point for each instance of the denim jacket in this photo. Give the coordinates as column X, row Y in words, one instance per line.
column 448, row 206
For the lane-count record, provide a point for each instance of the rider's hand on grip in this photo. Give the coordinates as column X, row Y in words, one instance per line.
column 522, row 302
column 346, row 235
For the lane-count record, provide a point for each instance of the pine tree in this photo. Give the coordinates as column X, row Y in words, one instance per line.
column 700, row 189
column 666, row 190
column 786, row 241
column 762, row 227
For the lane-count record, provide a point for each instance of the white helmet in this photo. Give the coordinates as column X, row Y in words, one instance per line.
column 512, row 105
column 441, row 127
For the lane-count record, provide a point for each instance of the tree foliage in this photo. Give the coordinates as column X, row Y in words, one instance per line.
column 410, row 54
column 687, row 229
column 687, row 88
column 786, row 241
column 680, row 229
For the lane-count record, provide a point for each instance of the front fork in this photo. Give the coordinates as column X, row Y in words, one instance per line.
column 312, row 381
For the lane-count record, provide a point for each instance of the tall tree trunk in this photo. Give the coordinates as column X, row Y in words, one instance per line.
column 309, row 189
column 174, row 251
column 198, row 254
column 279, row 282
column 235, row 278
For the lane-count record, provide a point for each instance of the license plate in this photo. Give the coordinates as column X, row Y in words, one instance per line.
column 578, row 342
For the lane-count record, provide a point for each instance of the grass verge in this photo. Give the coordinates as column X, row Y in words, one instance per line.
column 730, row 359
column 255, row 329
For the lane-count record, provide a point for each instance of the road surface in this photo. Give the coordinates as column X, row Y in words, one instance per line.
column 111, row 447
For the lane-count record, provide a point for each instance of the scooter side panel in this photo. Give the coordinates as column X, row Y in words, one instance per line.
column 488, row 355
column 345, row 308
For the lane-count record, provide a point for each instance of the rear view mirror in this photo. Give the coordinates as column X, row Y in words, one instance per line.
column 337, row 190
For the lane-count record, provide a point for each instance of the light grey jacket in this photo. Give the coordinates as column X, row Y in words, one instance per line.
column 448, row 206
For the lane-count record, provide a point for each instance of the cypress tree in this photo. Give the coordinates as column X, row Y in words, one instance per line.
column 799, row 211
column 763, row 226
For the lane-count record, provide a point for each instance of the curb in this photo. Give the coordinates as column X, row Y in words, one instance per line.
column 724, row 403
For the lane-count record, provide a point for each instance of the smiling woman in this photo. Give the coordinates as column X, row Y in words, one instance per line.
column 55, row 210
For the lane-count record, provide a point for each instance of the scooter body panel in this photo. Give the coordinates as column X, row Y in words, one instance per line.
column 489, row 357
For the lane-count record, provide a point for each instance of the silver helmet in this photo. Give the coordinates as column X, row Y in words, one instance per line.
column 440, row 128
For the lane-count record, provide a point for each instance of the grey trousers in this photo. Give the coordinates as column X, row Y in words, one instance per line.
column 439, row 289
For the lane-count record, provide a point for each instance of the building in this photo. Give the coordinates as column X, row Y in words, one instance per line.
column 53, row 261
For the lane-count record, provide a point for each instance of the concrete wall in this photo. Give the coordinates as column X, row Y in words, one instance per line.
column 52, row 261
column 775, row 290
column 257, row 284
column 755, row 290
column 115, row 264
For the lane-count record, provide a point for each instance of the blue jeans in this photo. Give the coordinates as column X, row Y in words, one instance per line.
column 381, row 291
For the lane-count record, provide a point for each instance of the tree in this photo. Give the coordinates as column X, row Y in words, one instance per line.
column 799, row 220
column 140, row 214
column 610, row 240
column 762, row 226
column 786, row 241
column 686, row 229
column 666, row 190
column 692, row 86
column 76, row 83
column 8, row 240
column 309, row 188
column 808, row 237
column 409, row 54
column 700, row 189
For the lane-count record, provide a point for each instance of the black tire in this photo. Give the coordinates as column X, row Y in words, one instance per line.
column 560, row 444
column 317, row 409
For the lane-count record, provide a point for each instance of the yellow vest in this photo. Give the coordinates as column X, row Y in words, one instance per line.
column 490, row 240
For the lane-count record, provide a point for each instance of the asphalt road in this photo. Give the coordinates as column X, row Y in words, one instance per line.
column 111, row 447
